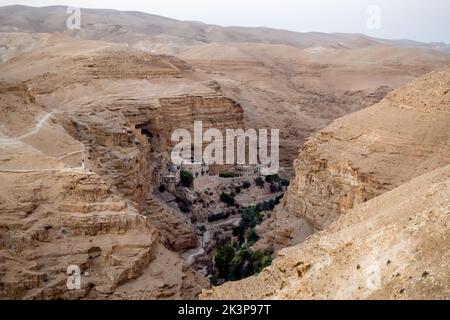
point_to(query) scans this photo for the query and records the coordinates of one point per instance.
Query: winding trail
(36, 129)
(39, 125)
(70, 154)
(191, 255)
(80, 170)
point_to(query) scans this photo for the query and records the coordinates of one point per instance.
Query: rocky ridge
(364, 155)
(375, 187)
(391, 247)
(103, 217)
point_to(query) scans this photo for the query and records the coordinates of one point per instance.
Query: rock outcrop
(364, 155)
(392, 247)
(80, 157)
(375, 185)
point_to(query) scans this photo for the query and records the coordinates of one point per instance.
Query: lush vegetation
(228, 198)
(259, 182)
(236, 260)
(273, 178)
(251, 217)
(186, 179)
(276, 183)
(213, 217)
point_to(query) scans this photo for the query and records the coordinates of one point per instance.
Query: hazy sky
(424, 20)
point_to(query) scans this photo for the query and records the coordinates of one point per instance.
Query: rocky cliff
(364, 155)
(392, 247)
(377, 183)
(80, 154)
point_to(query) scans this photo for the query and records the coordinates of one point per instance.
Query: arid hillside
(300, 91)
(392, 247)
(84, 133)
(86, 179)
(296, 82)
(364, 155)
(377, 183)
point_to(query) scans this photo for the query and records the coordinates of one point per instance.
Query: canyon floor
(86, 120)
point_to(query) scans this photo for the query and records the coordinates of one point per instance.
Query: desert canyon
(86, 118)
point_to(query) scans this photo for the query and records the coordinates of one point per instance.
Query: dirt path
(36, 129)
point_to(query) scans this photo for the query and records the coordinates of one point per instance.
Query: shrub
(187, 179)
(227, 175)
(278, 199)
(273, 178)
(238, 190)
(284, 183)
(162, 188)
(259, 207)
(218, 216)
(228, 198)
(222, 260)
(259, 182)
(274, 188)
(246, 185)
(261, 260)
(252, 236)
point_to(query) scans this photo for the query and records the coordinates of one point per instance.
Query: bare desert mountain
(377, 182)
(297, 82)
(130, 27)
(364, 155)
(86, 178)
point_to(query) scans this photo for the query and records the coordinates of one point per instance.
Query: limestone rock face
(366, 154)
(52, 220)
(375, 185)
(79, 159)
(392, 247)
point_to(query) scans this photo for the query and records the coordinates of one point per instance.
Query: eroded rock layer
(392, 247)
(80, 155)
(364, 155)
(377, 183)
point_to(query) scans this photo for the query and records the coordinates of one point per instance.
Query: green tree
(273, 178)
(222, 259)
(252, 236)
(234, 268)
(259, 182)
(186, 179)
(228, 198)
(261, 260)
(285, 183)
